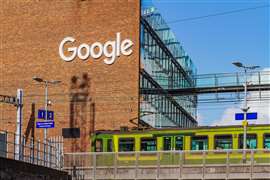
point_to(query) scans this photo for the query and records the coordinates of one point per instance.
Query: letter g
(70, 49)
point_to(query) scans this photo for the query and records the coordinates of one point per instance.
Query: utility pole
(245, 107)
(46, 83)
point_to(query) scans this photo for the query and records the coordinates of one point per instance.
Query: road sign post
(18, 134)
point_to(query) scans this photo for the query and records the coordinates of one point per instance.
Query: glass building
(164, 65)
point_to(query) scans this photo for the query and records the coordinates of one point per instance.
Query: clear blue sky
(214, 42)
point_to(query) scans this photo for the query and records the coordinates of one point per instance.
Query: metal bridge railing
(47, 153)
(232, 79)
(111, 165)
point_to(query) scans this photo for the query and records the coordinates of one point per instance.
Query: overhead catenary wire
(216, 14)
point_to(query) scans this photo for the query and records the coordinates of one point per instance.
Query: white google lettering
(110, 49)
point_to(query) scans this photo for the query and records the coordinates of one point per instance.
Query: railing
(232, 79)
(47, 153)
(110, 165)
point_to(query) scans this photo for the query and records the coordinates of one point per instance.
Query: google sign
(110, 49)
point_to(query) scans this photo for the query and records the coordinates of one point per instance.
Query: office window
(109, 145)
(223, 142)
(99, 145)
(167, 145)
(179, 143)
(199, 143)
(148, 144)
(126, 144)
(251, 141)
(266, 141)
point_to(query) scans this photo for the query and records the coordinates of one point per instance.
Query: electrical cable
(216, 14)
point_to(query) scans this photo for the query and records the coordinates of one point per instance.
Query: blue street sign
(239, 116)
(252, 116)
(41, 114)
(45, 124)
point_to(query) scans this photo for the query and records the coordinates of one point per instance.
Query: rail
(48, 153)
(136, 165)
(232, 79)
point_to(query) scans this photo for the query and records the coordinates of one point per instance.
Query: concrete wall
(92, 95)
(187, 172)
(17, 170)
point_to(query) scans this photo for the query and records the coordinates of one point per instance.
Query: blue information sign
(252, 116)
(45, 124)
(239, 116)
(41, 114)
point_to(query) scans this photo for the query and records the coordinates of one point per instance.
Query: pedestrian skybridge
(218, 83)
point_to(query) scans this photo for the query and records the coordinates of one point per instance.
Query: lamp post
(46, 83)
(245, 108)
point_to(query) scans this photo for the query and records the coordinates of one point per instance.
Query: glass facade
(165, 65)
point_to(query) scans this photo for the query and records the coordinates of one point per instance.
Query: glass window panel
(179, 143)
(199, 143)
(98, 145)
(251, 141)
(126, 144)
(167, 145)
(148, 144)
(109, 145)
(266, 141)
(223, 142)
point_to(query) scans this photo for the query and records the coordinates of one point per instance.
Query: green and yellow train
(199, 138)
(186, 140)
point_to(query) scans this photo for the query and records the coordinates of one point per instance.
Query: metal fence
(47, 153)
(165, 164)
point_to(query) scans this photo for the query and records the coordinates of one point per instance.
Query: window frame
(248, 134)
(171, 147)
(130, 138)
(148, 138)
(264, 135)
(109, 145)
(182, 137)
(199, 136)
(101, 145)
(215, 141)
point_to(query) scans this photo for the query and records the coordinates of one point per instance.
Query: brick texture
(92, 95)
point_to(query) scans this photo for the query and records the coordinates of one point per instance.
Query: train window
(266, 141)
(251, 141)
(148, 144)
(126, 144)
(199, 143)
(179, 143)
(109, 145)
(98, 145)
(223, 142)
(167, 145)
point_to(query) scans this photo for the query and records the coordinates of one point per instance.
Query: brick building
(92, 94)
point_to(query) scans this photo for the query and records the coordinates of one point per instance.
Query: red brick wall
(31, 32)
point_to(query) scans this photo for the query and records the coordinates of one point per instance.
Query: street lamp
(46, 83)
(245, 108)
